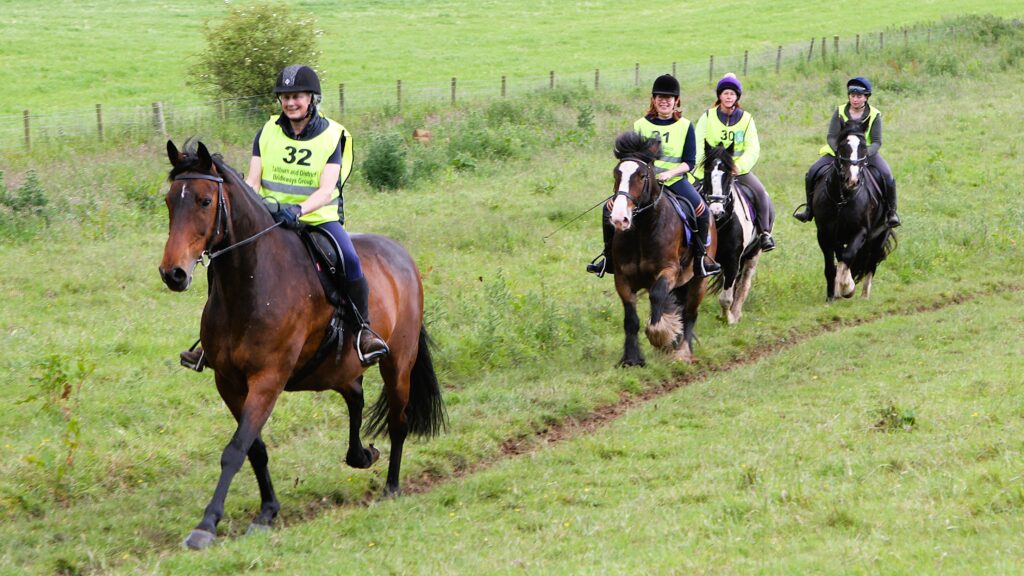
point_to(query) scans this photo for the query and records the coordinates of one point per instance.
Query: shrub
(384, 167)
(245, 51)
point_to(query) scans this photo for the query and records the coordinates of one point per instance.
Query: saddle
(686, 213)
(329, 262)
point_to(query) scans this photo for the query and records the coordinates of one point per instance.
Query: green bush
(384, 167)
(246, 50)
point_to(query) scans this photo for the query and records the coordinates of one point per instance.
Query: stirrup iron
(371, 358)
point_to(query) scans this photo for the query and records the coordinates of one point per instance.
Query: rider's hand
(288, 215)
(662, 176)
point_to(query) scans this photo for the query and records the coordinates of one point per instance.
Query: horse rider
(726, 123)
(301, 159)
(678, 154)
(857, 109)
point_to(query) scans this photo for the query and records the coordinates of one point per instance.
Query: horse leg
(664, 325)
(743, 283)
(631, 355)
(727, 298)
(866, 287)
(694, 296)
(396, 387)
(256, 407)
(830, 265)
(269, 506)
(357, 455)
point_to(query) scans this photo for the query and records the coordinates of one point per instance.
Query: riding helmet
(665, 85)
(729, 82)
(859, 85)
(297, 78)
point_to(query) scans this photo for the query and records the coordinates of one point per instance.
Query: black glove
(288, 215)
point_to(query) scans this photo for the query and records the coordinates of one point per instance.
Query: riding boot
(194, 358)
(602, 264)
(703, 265)
(806, 215)
(891, 217)
(767, 242)
(369, 345)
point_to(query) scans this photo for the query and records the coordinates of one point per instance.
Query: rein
(206, 257)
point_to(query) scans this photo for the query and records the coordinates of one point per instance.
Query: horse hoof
(199, 539)
(392, 492)
(255, 528)
(373, 454)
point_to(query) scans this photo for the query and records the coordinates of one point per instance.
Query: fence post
(28, 133)
(503, 87)
(810, 51)
(857, 47)
(905, 44)
(711, 68)
(597, 79)
(99, 121)
(778, 59)
(835, 45)
(158, 119)
(551, 80)
(341, 99)
(822, 48)
(881, 40)
(453, 90)
(398, 94)
(223, 111)
(746, 53)
(636, 75)
(929, 35)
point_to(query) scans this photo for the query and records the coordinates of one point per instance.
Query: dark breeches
(353, 269)
(763, 204)
(879, 163)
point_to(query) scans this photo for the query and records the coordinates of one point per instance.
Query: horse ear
(205, 162)
(707, 149)
(732, 146)
(172, 153)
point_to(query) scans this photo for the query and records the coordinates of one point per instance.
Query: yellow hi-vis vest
(673, 140)
(741, 135)
(292, 168)
(844, 119)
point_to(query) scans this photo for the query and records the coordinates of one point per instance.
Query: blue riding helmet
(859, 85)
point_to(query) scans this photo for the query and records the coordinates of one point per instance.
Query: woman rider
(726, 123)
(856, 109)
(302, 159)
(678, 153)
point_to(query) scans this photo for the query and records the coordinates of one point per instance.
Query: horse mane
(632, 145)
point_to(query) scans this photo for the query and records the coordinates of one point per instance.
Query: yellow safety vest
(715, 133)
(292, 168)
(844, 119)
(673, 140)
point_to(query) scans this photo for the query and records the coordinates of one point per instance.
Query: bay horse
(266, 316)
(739, 247)
(650, 253)
(850, 215)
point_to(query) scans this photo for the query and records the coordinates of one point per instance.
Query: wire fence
(119, 124)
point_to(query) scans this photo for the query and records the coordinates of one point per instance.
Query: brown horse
(650, 253)
(266, 317)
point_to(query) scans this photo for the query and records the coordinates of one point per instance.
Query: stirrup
(598, 268)
(373, 357)
(194, 358)
(805, 216)
(704, 272)
(893, 219)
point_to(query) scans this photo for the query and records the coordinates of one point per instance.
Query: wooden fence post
(810, 51)
(158, 119)
(636, 74)
(835, 45)
(597, 79)
(99, 121)
(822, 48)
(881, 40)
(28, 132)
(711, 68)
(674, 70)
(778, 59)
(341, 98)
(857, 46)
(453, 90)
(746, 53)
(503, 92)
(398, 94)
(551, 80)
(905, 41)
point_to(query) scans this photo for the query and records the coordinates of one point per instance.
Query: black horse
(650, 253)
(850, 214)
(739, 247)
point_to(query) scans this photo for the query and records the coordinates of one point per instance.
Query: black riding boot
(891, 217)
(369, 346)
(806, 215)
(603, 263)
(703, 265)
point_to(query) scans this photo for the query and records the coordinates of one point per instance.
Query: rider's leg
(809, 180)
(703, 265)
(763, 205)
(371, 346)
(888, 189)
(603, 264)
(195, 357)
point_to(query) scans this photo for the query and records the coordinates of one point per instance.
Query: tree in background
(247, 49)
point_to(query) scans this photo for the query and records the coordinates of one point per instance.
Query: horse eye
(206, 202)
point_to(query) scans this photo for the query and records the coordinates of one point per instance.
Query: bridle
(726, 199)
(220, 221)
(837, 172)
(637, 207)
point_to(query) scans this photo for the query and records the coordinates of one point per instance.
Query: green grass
(527, 341)
(61, 55)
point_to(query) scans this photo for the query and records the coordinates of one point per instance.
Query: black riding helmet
(665, 85)
(297, 78)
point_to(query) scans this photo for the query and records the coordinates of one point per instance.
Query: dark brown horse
(266, 317)
(650, 253)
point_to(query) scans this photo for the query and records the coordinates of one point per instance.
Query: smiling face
(664, 105)
(295, 105)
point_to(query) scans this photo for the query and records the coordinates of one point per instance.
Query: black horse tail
(425, 412)
(870, 257)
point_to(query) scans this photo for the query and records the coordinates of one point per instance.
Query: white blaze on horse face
(620, 208)
(717, 176)
(854, 144)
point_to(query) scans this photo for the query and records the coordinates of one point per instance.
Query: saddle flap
(329, 261)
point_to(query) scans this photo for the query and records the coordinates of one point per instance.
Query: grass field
(527, 344)
(142, 55)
